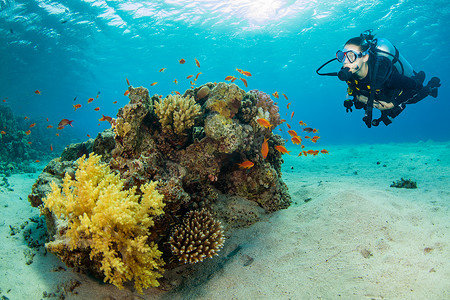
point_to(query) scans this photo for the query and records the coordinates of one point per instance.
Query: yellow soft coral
(114, 223)
(176, 113)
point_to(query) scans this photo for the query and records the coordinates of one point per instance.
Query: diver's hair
(361, 41)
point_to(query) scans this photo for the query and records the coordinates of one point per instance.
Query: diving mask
(351, 55)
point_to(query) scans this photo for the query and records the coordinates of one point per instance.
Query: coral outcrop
(199, 237)
(192, 145)
(109, 223)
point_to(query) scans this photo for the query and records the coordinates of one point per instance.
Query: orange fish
(97, 108)
(276, 95)
(286, 97)
(37, 160)
(51, 147)
(292, 133)
(197, 63)
(49, 126)
(46, 119)
(37, 92)
(265, 148)
(154, 83)
(315, 130)
(64, 122)
(316, 137)
(307, 137)
(57, 134)
(233, 79)
(246, 164)
(29, 143)
(245, 73)
(28, 132)
(302, 123)
(229, 78)
(126, 92)
(128, 82)
(76, 106)
(2, 132)
(88, 135)
(324, 151)
(296, 140)
(316, 152)
(310, 151)
(25, 118)
(282, 149)
(162, 69)
(32, 125)
(90, 100)
(264, 123)
(176, 81)
(4, 100)
(308, 129)
(303, 146)
(289, 126)
(177, 92)
(244, 81)
(292, 115)
(196, 77)
(105, 118)
(114, 102)
(239, 70)
(190, 76)
(287, 106)
(305, 153)
(182, 61)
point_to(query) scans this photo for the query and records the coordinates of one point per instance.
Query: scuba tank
(386, 49)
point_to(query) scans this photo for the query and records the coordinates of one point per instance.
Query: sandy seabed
(347, 235)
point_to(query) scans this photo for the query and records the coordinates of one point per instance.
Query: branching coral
(199, 237)
(110, 221)
(176, 114)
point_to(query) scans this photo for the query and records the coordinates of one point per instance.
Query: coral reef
(192, 145)
(108, 222)
(199, 237)
(176, 113)
(404, 183)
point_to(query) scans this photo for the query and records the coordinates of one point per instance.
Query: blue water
(74, 48)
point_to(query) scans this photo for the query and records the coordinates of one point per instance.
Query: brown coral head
(198, 237)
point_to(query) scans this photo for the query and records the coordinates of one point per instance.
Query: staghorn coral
(199, 237)
(111, 223)
(176, 113)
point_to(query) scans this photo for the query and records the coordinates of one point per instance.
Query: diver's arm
(381, 105)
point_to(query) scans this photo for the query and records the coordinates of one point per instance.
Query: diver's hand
(348, 105)
(432, 86)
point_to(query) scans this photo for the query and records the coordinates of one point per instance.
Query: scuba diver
(378, 76)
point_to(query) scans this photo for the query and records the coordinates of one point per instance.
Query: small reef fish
(37, 92)
(292, 115)
(115, 102)
(175, 81)
(311, 151)
(177, 92)
(88, 135)
(308, 129)
(57, 134)
(162, 69)
(302, 123)
(105, 118)
(197, 63)
(28, 132)
(128, 82)
(98, 94)
(90, 100)
(244, 81)
(229, 78)
(233, 79)
(46, 119)
(286, 97)
(246, 73)
(276, 95)
(51, 147)
(264, 123)
(32, 125)
(292, 133)
(239, 70)
(2, 132)
(97, 108)
(324, 151)
(296, 140)
(288, 126)
(154, 83)
(25, 118)
(37, 160)
(49, 126)
(246, 164)
(29, 143)
(126, 92)
(182, 61)
(315, 130)
(74, 99)
(196, 77)
(265, 148)
(77, 106)
(64, 122)
(287, 106)
(190, 76)
(282, 149)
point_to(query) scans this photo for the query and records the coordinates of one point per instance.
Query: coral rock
(199, 237)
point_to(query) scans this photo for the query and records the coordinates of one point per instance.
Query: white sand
(356, 238)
